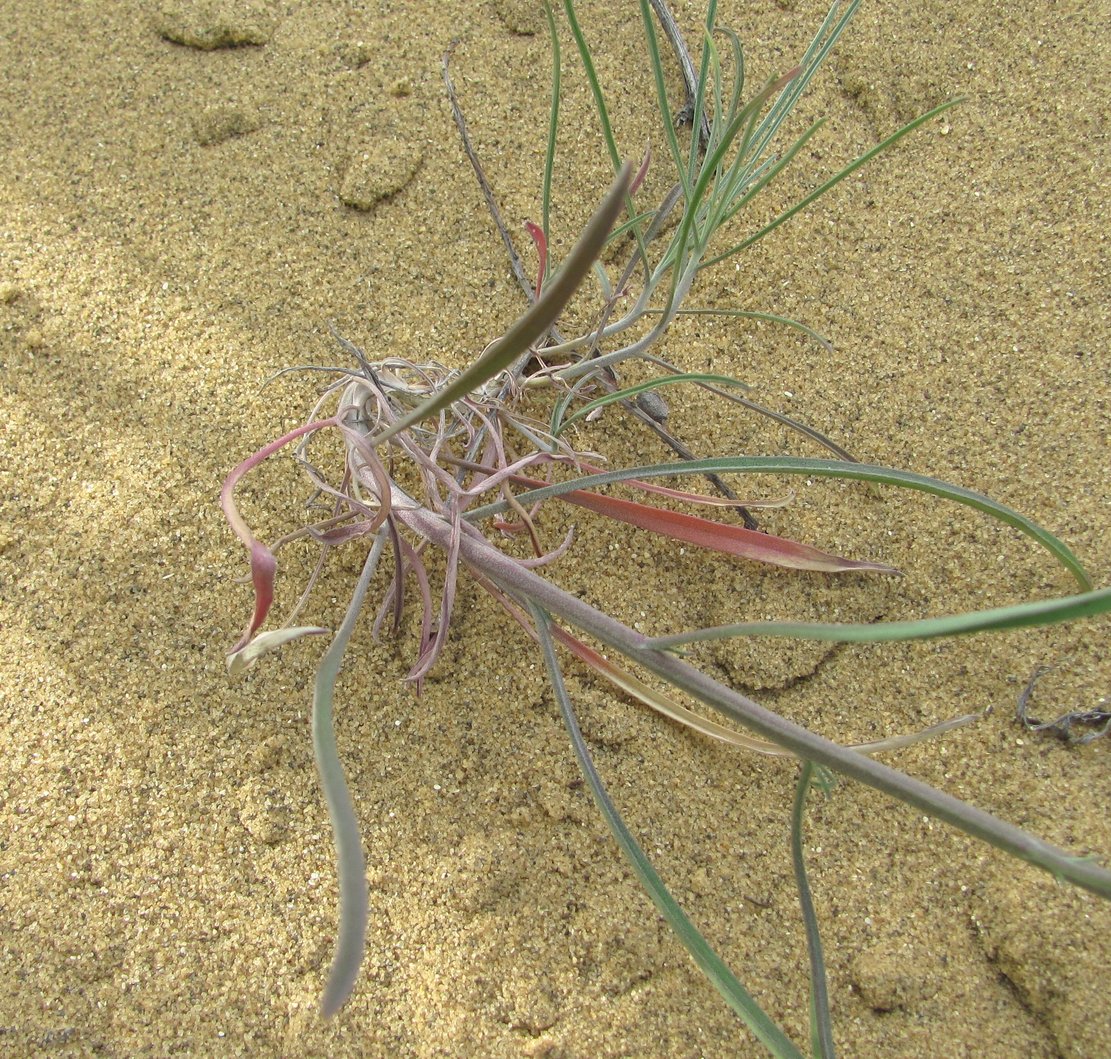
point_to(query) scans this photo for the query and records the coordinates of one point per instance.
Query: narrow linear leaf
(696, 498)
(822, 1026)
(711, 965)
(529, 327)
(651, 384)
(851, 168)
(863, 472)
(350, 862)
(263, 564)
(1017, 616)
(718, 536)
(553, 122)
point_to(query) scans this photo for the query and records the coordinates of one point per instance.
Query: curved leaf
(819, 469)
(1020, 615)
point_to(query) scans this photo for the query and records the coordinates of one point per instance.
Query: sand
(191, 194)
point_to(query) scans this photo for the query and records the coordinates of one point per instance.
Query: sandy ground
(178, 223)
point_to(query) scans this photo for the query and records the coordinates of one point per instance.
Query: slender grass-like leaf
(587, 59)
(524, 584)
(656, 65)
(711, 965)
(720, 536)
(698, 114)
(350, 862)
(1017, 616)
(239, 661)
(586, 56)
(737, 92)
(833, 181)
(553, 124)
(263, 564)
(629, 392)
(532, 324)
(833, 25)
(863, 472)
(822, 1027)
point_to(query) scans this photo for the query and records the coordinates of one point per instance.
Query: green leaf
(535, 322)
(651, 384)
(863, 472)
(1018, 616)
(851, 168)
(821, 1025)
(711, 965)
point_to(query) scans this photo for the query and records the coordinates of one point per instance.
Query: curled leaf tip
(263, 568)
(242, 658)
